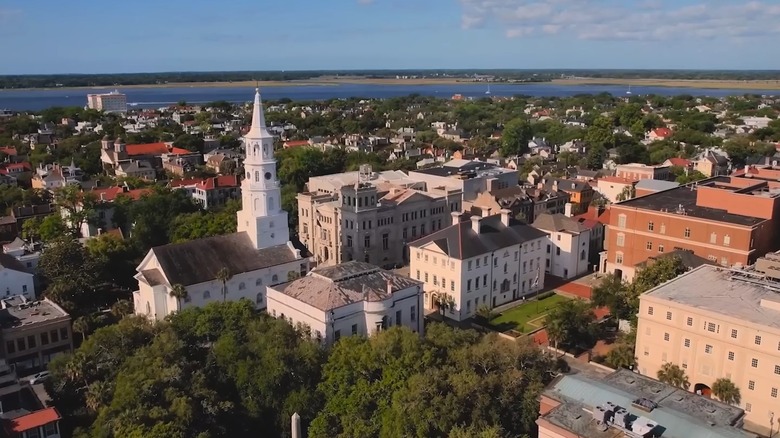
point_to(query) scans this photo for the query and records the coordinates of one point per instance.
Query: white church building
(259, 255)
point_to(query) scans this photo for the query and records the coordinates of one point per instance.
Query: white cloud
(626, 20)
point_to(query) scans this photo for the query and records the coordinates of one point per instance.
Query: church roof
(198, 261)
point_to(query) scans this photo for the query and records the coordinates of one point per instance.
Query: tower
(261, 215)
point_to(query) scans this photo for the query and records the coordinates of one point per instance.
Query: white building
(482, 261)
(14, 278)
(352, 298)
(113, 102)
(259, 255)
(568, 250)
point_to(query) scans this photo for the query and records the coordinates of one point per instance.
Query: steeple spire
(258, 118)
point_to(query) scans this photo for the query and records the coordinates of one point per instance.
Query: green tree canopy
(515, 137)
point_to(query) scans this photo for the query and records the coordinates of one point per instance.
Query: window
(731, 355)
(241, 286)
(55, 337)
(751, 385)
(426, 277)
(711, 327)
(689, 321)
(548, 249)
(557, 251)
(713, 238)
(777, 369)
(622, 221)
(687, 233)
(650, 226)
(468, 306)
(669, 316)
(398, 318)
(708, 349)
(337, 335)
(20, 345)
(468, 285)
(275, 278)
(621, 239)
(367, 242)
(754, 363)
(650, 310)
(663, 228)
(413, 313)
(24, 286)
(748, 407)
(774, 392)
(582, 255)
(63, 333)
(470, 265)
(726, 240)
(452, 285)
(758, 340)
(435, 280)
(385, 241)
(44, 338)
(349, 243)
(206, 295)
(687, 343)
(619, 258)
(660, 248)
(10, 347)
(734, 333)
(685, 365)
(31, 342)
(666, 337)
(649, 246)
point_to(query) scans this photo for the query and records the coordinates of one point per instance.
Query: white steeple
(261, 215)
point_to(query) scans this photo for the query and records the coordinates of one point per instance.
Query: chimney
(505, 216)
(389, 287)
(102, 196)
(475, 223)
(555, 185)
(486, 211)
(567, 210)
(455, 217)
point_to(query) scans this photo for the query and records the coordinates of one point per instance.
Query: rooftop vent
(644, 404)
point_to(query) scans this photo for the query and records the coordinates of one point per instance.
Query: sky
(90, 36)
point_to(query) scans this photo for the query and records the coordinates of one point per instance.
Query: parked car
(39, 378)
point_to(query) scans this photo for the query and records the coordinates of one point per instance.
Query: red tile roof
(662, 132)
(594, 214)
(681, 162)
(32, 420)
(8, 150)
(109, 194)
(153, 149)
(295, 143)
(207, 183)
(6, 168)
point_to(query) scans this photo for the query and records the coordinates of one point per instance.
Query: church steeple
(261, 215)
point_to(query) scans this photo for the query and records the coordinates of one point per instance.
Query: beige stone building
(370, 217)
(716, 322)
(479, 261)
(33, 332)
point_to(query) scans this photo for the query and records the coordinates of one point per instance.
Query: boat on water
(488, 90)
(629, 90)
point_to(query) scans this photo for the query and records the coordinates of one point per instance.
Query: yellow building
(715, 323)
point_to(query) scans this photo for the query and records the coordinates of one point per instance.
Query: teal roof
(676, 423)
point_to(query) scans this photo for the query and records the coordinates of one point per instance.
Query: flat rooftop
(683, 199)
(725, 294)
(338, 180)
(17, 312)
(678, 413)
(454, 168)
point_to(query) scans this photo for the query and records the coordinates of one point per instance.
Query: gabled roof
(109, 194)
(198, 261)
(158, 148)
(558, 222)
(32, 420)
(459, 241)
(680, 162)
(9, 262)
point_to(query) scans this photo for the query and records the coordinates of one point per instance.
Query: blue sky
(89, 36)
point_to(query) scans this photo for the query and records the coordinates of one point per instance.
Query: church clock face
(268, 175)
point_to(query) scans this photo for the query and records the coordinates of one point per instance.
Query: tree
(726, 391)
(628, 192)
(571, 324)
(672, 374)
(690, 177)
(122, 308)
(613, 294)
(223, 276)
(190, 142)
(82, 325)
(622, 356)
(601, 133)
(76, 207)
(50, 228)
(595, 157)
(180, 293)
(515, 137)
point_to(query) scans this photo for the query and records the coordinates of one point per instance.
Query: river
(153, 97)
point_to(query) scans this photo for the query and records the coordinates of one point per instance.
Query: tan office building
(33, 332)
(717, 322)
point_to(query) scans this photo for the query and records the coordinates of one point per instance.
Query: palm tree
(672, 374)
(180, 293)
(292, 276)
(122, 308)
(81, 325)
(224, 276)
(726, 391)
(556, 331)
(98, 394)
(622, 356)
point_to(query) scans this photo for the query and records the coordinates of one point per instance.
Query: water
(34, 100)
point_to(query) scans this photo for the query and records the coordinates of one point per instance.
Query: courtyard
(528, 316)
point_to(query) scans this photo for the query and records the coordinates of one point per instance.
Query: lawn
(528, 316)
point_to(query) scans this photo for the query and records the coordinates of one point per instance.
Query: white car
(39, 378)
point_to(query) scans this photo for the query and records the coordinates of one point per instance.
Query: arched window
(257, 150)
(505, 267)
(206, 295)
(271, 203)
(241, 286)
(514, 278)
(257, 175)
(275, 278)
(582, 255)
(259, 282)
(248, 175)
(148, 308)
(259, 298)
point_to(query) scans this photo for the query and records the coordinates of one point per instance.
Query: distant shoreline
(334, 81)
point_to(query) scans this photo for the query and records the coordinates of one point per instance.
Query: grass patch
(527, 316)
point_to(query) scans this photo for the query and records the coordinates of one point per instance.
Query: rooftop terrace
(17, 312)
